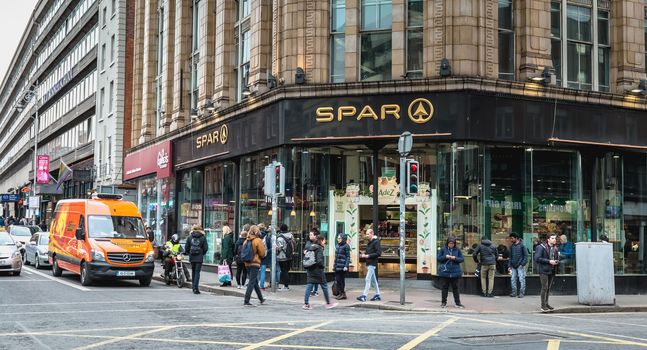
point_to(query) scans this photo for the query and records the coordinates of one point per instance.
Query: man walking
(285, 244)
(197, 246)
(253, 263)
(518, 261)
(485, 254)
(373, 251)
(547, 259)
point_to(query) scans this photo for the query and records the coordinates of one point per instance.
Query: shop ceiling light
(293, 213)
(312, 213)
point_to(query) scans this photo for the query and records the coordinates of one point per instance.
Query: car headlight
(97, 255)
(179, 257)
(150, 257)
(16, 255)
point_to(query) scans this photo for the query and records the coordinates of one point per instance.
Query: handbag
(335, 289)
(224, 274)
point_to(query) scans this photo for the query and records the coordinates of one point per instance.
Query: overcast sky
(14, 16)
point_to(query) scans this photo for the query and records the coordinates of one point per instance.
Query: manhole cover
(505, 338)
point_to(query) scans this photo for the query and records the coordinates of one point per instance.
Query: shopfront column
(224, 93)
(533, 37)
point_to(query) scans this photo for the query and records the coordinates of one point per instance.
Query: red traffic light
(277, 170)
(413, 167)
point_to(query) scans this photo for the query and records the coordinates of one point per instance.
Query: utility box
(595, 278)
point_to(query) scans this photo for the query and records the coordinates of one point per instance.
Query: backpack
(247, 252)
(196, 247)
(309, 258)
(264, 240)
(288, 248)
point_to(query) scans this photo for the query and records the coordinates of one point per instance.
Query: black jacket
(203, 246)
(518, 254)
(238, 249)
(373, 250)
(342, 256)
(315, 273)
(543, 254)
(487, 253)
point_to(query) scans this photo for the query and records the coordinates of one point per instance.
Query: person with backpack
(252, 253)
(486, 255)
(449, 270)
(518, 262)
(373, 251)
(285, 244)
(240, 266)
(197, 247)
(342, 261)
(313, 262)
(227, 249)
(266, 239)
(312, 238)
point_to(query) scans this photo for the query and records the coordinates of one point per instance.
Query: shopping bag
(224, 274)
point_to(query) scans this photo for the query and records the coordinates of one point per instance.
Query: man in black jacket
(373, 251)
(486, 256)
(518, 261)
(547, 259)
(196, 245)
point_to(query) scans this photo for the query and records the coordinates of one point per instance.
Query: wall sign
(155, 159)
(42, 169)
(419, 111)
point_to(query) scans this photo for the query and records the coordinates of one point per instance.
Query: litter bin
(595, 278)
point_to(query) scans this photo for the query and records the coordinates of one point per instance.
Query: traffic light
(412, 176)
(274, 180)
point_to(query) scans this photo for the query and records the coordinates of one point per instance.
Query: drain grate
(505, 338)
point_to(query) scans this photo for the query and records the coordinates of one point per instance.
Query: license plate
(125, 273)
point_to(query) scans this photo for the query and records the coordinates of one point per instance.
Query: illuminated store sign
(419, 111)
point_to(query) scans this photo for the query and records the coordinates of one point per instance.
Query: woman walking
(449, 269)
(342, 260)
(315, 274)
(240, 265)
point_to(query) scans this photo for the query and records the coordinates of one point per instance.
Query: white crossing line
(59, 280)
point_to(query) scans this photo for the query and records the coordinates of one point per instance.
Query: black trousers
(340, 278)
(253, 284)
(285, 270)
(196, 267)
(546, 284)
(240, 269)
(454, 283)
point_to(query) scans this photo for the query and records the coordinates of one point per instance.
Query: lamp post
(31, 93)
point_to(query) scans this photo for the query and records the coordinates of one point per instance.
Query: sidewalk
(422, 297)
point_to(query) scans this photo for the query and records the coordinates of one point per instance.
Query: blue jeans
(263, 269)
(310, 286)
(518, 273)
(370, 278)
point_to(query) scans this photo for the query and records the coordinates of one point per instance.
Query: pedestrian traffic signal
(274, 180)
(412, 176)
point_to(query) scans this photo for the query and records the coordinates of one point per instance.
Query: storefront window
(254, 207)
(610, 207)
(219, 205)
(147, 189)
(189, 201)
(634, 214)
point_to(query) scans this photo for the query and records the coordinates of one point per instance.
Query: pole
(402, 223)
(274, 252)
(35, 155)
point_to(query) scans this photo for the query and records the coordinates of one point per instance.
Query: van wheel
(145, 282)
(85, 275)
(56, 270)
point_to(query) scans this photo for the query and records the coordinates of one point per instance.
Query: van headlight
(97, 255)
(150, 257)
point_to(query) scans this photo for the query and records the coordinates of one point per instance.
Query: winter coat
(281, 241)
(228, 247)
(238, 247)
(203, 246)
(543, 254)
(315, 273)
(518, 255)
(373, 250)
(487, 253)
(267, 260)
(259, 251)
(447, 267)
(342, 256)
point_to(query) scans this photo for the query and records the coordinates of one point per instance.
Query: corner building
(526, 118)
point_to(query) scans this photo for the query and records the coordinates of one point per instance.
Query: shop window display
(219, 204)
(189, 201)
(635, 218)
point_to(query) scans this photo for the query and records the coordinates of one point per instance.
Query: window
(114, 6)
(101, 108)
(603, 51)
(160, 67)
(103, 56)
(111, 96)
(556, 38)
(243, 46)
(112, 49)
(100, 156)
(337, 40)
(195, 55)
(109, 158)
(415, 21)
(375, 59)
(105, 16)
(506, 40)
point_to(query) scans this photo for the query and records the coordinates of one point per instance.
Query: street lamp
(31, 93)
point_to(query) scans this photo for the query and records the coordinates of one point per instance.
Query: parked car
(36, 250)
(21, 234)
(10, 257)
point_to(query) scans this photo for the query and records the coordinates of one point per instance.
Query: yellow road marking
(285, 336)
(118, 339)
(553, 344)
(430, 333)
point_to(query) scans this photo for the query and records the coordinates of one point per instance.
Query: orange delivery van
(100, 238)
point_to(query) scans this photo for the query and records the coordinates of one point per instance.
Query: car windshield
(5, 239)
(44, 239)
(20, 231)
(105, 226)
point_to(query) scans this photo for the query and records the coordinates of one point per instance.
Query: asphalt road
(43, 312)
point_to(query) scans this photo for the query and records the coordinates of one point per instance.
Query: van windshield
(106, 226)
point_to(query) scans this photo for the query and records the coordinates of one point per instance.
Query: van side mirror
(151, 237)
(79, 234)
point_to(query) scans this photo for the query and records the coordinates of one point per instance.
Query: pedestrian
(547, 259)
(312, 239)
(449, 269)
(566, 253)
(258, 251)
(503, 259)
(286, 245)
(197, 247)
(240, 266)
(315, 274)
(266, 239)
(485, 255)
(43, 225)
(373, 251)
(2, 222)
(342, 261)
(227, 250)
(518, 262)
